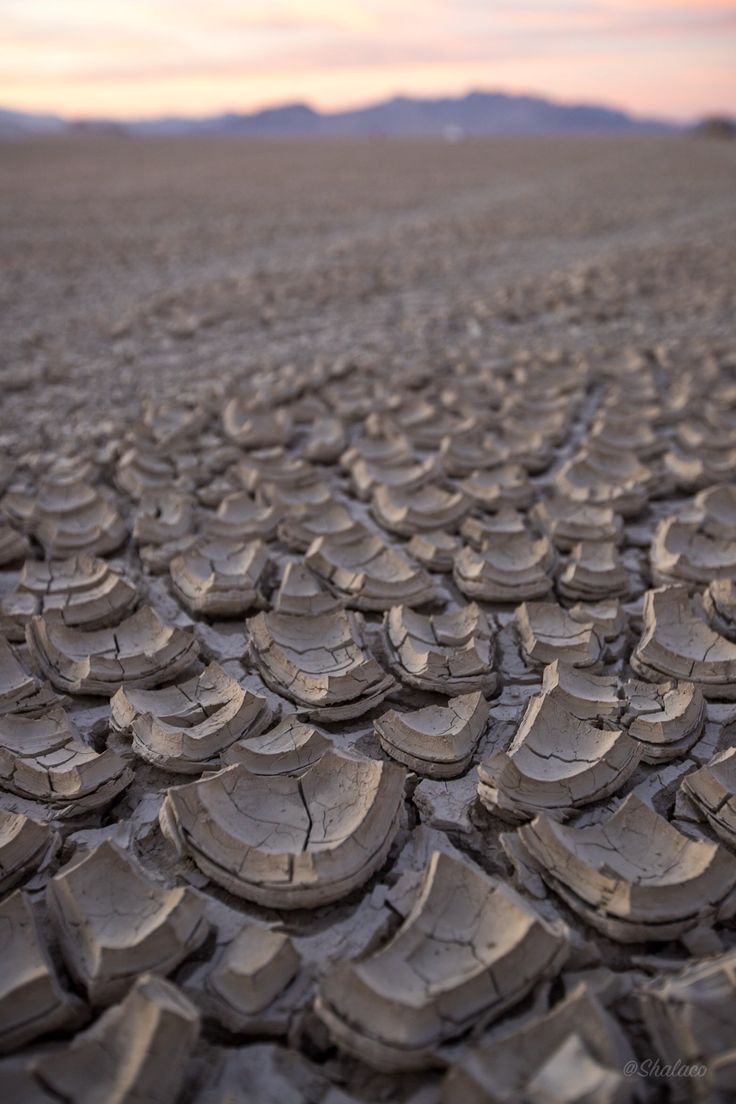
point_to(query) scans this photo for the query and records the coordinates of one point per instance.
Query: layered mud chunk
(494, 488)
(114, 923)
(33, 1001)
(319, 663)
(289, 842)
(45, 758)
(437, 741)
(666, 718)
(404, 473)
(20, 692)
(163, 516)
(581, 693)
(677, 642)
(434, 549)
(568, 523)
(140, 651)
(424, 510)
(469, 948)
(255, 429)
(450, 652)
(690, 1017)
(594, 477)
(136, 1050)
(221, 576)
(241, 516)
(594, 573)
(369, 574)
(514, 567)
(301, 592)
(68, 517)
(719, 601)
(548, 633)
(87, 592)
(685, 550)
(186, 727)
(14, 545)
(712, 791)
(248, 987)
(290, 747)
(556, 762)
(25, 845)
(634, 876)
(145, 469)
(578, 1044)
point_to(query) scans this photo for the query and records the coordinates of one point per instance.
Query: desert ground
(368, 621)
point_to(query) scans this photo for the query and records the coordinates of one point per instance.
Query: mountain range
(476, 114)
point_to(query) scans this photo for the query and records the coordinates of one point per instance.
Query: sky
(142, 58)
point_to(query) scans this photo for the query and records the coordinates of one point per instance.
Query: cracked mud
(367, 622)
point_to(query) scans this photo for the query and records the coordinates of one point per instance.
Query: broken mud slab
(452, 652)
(86, 591)
(394, 1007)
(319, 663)
(288, 748)
(140, 1046)
(113, 923)
(437, 741)
(629, 891)
(513, 568)
(677, 642)
(140, 651)
(46, 759)
(368, 574)
(578, 1044)
(547, 633)
(289, 842)
(556, 762)
(186, 727)
(220, 577)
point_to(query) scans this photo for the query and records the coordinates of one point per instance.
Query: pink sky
(138, 58)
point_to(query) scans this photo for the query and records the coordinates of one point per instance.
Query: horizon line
(366, 104)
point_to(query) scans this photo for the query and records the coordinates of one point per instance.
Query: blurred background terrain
(129, 259)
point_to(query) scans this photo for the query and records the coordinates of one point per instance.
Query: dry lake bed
(368, 621)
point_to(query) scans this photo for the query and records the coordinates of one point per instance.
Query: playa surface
(367, 619)
(155, 260)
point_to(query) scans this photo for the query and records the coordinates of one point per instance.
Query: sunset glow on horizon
(121, 59)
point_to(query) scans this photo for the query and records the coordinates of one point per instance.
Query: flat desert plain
(368, 621)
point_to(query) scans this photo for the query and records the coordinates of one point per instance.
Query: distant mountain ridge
(476, 114)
